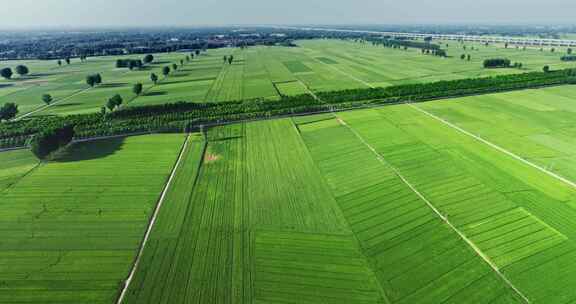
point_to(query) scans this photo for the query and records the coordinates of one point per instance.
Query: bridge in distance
(458, 37)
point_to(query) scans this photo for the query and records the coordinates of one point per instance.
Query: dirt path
(42, 108)
(152, 222)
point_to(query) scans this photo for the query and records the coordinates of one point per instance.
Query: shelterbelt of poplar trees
(184, 116)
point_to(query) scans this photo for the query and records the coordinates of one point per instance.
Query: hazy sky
(89, 13)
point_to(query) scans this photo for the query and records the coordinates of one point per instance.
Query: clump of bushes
(497, 63)
(129, 63)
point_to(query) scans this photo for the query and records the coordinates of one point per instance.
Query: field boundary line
(13, 149)
(438, 213)
(344, 73)
(369, 263)
(152, 221)
(503, 150)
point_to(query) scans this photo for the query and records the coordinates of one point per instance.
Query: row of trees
(134, 63)
(401, 43)
(21, 70)
(180, 116)
(116, 101)
(129, 63)
(59, 62)
(435, 52)
(568, 58)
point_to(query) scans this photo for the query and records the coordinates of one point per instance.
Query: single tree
(197, 52)
(6, 73)
(59, 62)
(148, 59)
(225, 59)
(463, 56)
(137, 89)
(117, 100)
(93, 80)
(110, 104)
(468, 57)
(230, 59)
(8, 111)
(114, 102)
(132, 65)
(569, 51)
(546, 69)
(175, 67)
(47, 99)
(90, 80)
(166, 71)
(22, 70)
(67, 60)
(154, 78)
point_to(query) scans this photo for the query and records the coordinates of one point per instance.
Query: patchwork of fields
(257, 72)
(386, 205)
(468, 200)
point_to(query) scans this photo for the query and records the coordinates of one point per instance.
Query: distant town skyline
(132, 13)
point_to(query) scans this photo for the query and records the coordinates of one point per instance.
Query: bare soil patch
(210, 158)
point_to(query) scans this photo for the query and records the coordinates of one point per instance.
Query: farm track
(492, 145)
(152, 221)
(472, 245)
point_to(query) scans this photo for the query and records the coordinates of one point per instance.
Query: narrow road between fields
(438, 213)
(507, 152)
(152, 221)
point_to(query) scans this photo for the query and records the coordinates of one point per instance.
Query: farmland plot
(248, 236)
(382, 66)
(416, 257)
(536, 124)
(257, 72)
(519, 217)
(14, 165)
(71, 228)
